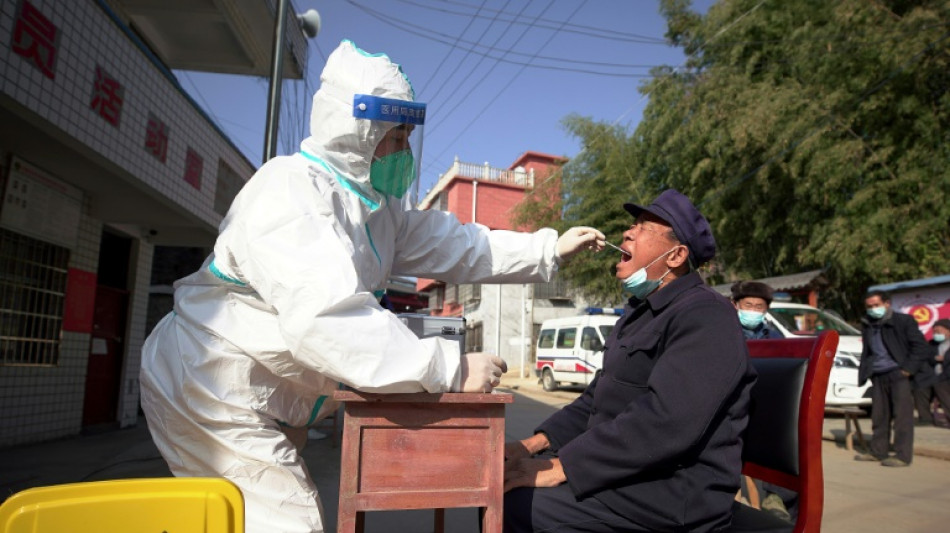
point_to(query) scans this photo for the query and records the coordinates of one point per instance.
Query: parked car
(799, 320)
(571, 349)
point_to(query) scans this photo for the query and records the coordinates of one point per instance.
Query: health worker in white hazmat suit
(284, 309)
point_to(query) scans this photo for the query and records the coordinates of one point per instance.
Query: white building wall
(536, 311)
(89, 38)
(514, 312)
(46, 402)
(138, 311)
(42, 403)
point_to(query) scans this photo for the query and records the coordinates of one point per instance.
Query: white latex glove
(481, 372)
(579, 238)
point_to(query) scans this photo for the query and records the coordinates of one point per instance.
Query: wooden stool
(851, 414)
(422, 451)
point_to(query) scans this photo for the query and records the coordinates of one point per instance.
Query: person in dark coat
(752, 300)
(654, 442)
(936, 384)
(894, 354)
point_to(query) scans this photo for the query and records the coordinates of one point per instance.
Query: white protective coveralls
(284, 310)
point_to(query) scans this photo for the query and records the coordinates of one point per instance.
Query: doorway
(107, 342)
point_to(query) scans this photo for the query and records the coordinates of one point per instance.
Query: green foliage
(812, 134)
(541, 207)
(595, 184)
(588, 191)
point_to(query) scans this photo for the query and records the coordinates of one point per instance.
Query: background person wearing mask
(752, 300)
(937, 384)
(894, 352)
(654, 443)
(284, 309)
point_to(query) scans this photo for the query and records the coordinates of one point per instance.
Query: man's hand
(481, 372)
(516, 450)
(579, 238)
(533, 472)
(527, 447)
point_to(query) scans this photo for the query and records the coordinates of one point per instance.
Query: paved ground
(859, 497)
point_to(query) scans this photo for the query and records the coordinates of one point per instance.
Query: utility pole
(310, 22)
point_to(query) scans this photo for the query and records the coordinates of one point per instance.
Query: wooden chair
(179, 505)
(782, 443)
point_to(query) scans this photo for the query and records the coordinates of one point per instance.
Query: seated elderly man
(654, 443)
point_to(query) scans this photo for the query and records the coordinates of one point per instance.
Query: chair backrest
(179, 505)
(782, 443)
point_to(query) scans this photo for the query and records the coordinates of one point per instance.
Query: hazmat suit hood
(336, 136)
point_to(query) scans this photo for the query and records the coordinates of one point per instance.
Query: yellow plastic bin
(179, 505)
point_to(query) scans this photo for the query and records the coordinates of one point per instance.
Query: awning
(791, 282)
(912, 284)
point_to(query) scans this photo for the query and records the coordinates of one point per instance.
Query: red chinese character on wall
(193, 166)
(156, 138)
(107, 96)
(35, 38)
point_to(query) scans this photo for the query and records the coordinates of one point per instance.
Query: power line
(298, 114)
(736, 21)
(604, 33)
(454, 45)
(459, 64)
(197, 93)
(471, 71)
(592, 31)
(483, 78)
(560, 169)
(475, 47)
(290, 117)
(506, 86)
(208, 109)
(457, 105)
(320, 51)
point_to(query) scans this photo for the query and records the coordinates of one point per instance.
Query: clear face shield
(397, 160)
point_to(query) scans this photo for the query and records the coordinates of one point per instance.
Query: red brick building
(499, 318)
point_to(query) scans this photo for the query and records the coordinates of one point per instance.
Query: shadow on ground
(130, 453)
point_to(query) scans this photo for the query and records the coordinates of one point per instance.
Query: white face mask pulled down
(637, 284)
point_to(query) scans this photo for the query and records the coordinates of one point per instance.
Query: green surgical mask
(392, 174)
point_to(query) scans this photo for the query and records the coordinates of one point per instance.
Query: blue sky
(498, 75)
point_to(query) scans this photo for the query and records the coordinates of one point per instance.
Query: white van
(799, 320)
(571, 349)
